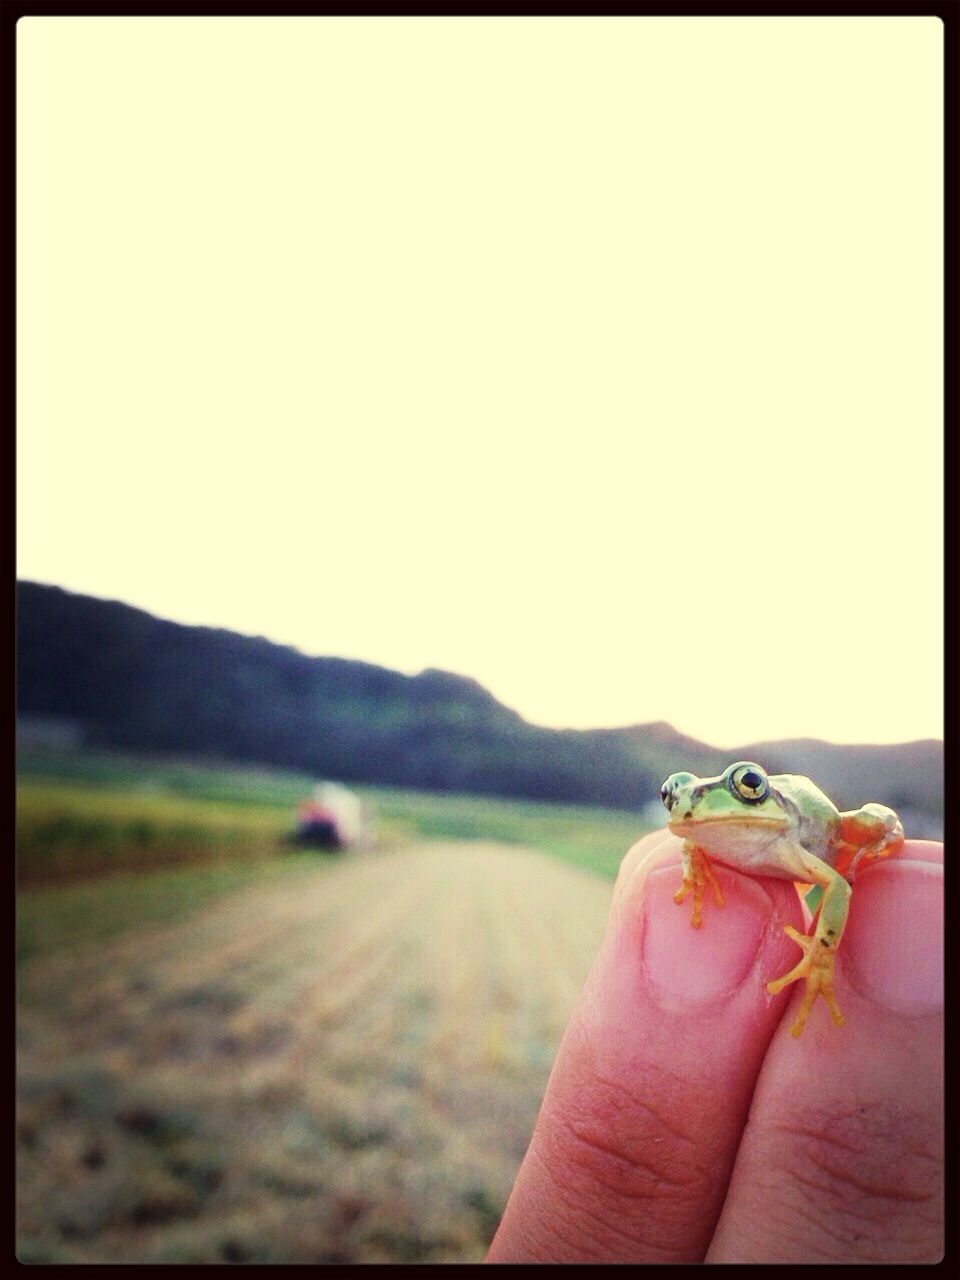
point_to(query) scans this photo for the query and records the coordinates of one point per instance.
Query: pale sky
(597, 359)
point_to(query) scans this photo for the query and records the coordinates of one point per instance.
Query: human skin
(681, 1121)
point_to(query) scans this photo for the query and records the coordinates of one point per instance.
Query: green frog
(781, 826)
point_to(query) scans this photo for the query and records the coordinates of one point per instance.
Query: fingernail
(892, 946)
(692, 966)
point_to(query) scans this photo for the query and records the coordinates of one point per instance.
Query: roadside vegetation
(108, 842)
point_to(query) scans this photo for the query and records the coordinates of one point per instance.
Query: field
(228, 1051)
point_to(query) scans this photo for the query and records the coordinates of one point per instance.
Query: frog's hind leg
(870, 833)
(865, 835)
(819, 948)
(697, 872)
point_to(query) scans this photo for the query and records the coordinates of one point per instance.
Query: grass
(69, 828)
(101, 811)
(108, 842)
(71, 916)
(590, 838)
(196, 779)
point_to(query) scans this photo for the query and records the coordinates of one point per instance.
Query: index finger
(644, 1109)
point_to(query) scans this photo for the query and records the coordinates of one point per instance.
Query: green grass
(70, 916)
(197, 779)
(68, 828)
(104, 810)
(594, 839)
(109, 842)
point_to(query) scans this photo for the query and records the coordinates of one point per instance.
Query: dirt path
(343, 1067)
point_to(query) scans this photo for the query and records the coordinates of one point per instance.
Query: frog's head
(740, 802)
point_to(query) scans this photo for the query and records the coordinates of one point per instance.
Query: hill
(126, 679)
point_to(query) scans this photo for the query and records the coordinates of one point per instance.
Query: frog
(782, 826)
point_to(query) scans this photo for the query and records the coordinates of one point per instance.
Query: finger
(643, 851)
(841, 1159)
(647, 1099)
(639, 852)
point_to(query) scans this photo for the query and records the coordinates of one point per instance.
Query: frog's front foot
(697, 873)
(817, 968)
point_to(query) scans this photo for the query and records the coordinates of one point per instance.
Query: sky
(597, 359)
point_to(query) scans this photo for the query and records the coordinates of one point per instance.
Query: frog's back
(817, 817)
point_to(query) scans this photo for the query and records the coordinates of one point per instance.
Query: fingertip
(893, 942)
(688, 968)
(921, 851)
(643, 849)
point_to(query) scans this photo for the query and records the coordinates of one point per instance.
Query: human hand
(681, 1121)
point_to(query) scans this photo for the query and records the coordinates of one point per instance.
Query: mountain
(126, 679)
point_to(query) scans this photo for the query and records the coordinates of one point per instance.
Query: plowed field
(344, 1065)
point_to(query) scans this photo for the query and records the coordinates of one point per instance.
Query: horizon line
(616, 728)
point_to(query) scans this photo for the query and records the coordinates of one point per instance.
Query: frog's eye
(666, 795)
(750, 783)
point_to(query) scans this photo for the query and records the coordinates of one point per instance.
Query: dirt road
(345, 1066)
